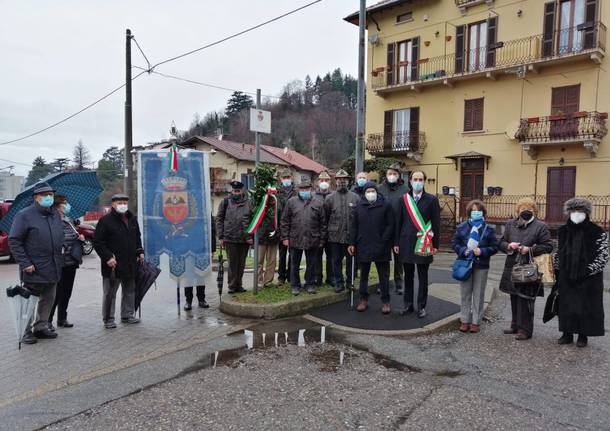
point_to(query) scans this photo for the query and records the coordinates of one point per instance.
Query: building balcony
(581, 128)
(517, 57)
(463, 5)
(408, 144)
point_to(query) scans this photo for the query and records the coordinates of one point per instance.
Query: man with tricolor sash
(417, 234)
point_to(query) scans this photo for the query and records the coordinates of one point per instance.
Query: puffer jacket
(304, 223)
(37, 238)
(338, 207)
(232, 220)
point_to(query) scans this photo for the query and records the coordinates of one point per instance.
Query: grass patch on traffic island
(274, 294)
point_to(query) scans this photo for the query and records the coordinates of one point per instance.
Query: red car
(4, 249)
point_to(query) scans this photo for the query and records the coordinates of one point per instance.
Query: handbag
(551, 308)
(545, 266)
(525, 272)
(462, 268)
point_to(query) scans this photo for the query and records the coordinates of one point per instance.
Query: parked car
(4, 249)
(87, 231)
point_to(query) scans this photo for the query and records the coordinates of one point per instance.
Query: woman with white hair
(579, 266)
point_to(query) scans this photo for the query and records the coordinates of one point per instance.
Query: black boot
(582, 341)
(188, 306)
(203, 304)
(566, 338)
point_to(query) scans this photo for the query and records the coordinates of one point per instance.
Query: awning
(469, 155)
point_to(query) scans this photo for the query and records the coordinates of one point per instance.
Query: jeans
(63, 293)
(338, 252)
(383, 270)
(128, 298)
(473, 296)
(295, 264)
(422, 291)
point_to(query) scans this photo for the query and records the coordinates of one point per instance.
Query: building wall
(10, 186)
(507, 100)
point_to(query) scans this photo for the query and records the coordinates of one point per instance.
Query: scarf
(475, 236)
(574, 253)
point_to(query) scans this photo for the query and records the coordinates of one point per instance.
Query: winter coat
(358, 190)
(72, 256)
(393, 192)
(405, 233)
(535, 235)
(118, 235)
(233, 219)
(322, 195)
(304, 223)
(36, 238)
(267, 234)
(488, 243)
(372, 230)
(284, 194)
(579, 268)
(338, 208)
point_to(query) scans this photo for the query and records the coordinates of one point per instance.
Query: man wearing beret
(36, 242)
(232, 220)
(118, 243)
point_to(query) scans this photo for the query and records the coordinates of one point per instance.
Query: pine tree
(238, 102)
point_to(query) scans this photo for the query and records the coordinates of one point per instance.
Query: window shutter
(468, 124)
(388, 125)
(565, 100)
(572, 99)
(414, 58)
(558, 101)
(477, 117)
(548, 31)
(459, 48)
(492, 37)
(390, 66)
(590, 24)
(414, 129)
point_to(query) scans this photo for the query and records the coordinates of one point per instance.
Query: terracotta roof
(237, 150)
(377, 7)
(295, 159)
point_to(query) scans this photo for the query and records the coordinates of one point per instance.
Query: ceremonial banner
(174, 212)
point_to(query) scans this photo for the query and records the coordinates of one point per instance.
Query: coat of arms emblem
(175, 199)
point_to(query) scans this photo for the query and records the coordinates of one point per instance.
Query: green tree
(40, 169)
(115, 155)
(237, 103)
(60, 164)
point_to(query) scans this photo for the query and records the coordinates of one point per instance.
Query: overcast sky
(58, 56)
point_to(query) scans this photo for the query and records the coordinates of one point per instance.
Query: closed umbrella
(221, 273)
(23, 302)
(145, 277)
(81, 189)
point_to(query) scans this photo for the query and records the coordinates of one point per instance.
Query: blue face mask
(305, 195)
(417, 186)
(286, 183)
(46, 201)
(67, 208)
(361, 182)
(476, 215)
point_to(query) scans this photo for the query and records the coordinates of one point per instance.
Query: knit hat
(370, 185)
(578, 204)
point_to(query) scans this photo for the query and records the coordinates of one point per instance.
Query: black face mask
(526, 215)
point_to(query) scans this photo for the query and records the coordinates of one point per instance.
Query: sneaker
(566, 338)
(45, 334)
(582, 341)
(475, 328)
(464, 327)
(64, 324)
(130, 320)
(363, 305)
(311, 290)
(422, 313)
(203, 304)
(28, 338)
(385, 309)
(109, 325)
(188, 306)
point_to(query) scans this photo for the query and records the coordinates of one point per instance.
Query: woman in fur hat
(579, 266)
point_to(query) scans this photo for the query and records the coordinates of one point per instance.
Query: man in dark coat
(579, 266)
(232, 220)
(393, 189)
(36, 240)
(118, 243)
(371, 236)
(303, 229)
(338, 208)
(285, 192)
(322, 192)
(406, 235)
(358, 187)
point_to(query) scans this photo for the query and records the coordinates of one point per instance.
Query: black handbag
(525, 272)
(551, 308)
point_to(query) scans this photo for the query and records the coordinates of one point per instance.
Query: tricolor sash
(423, 245)
(259, 215)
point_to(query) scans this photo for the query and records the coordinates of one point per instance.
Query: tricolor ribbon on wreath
(423, 245)
(173, 158)
(259, 215)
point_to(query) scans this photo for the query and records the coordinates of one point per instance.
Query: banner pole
(178, 296)
(257, 140)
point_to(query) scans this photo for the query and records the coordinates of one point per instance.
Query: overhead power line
(141, 52)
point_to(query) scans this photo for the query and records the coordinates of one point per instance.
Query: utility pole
(257, 161)
(129, 173)
(360, 106)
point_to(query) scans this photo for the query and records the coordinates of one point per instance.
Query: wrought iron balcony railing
(516, 56)
(587, 128)
(467, 3)
(409, 144)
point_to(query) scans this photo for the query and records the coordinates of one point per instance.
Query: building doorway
(471, 182)
(560, 186)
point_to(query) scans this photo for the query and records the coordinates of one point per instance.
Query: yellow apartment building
(493, 99)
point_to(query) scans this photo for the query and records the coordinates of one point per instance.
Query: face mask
(236, 197)
(121, 208)
(67, 208)
(392, 178)
(476, 215)
(526, 215)
(342, 184)
(286, 183)
(324, 185)
(371, 196)
(361, 182)
(417, 186)
(46, 201)
(305, 195)
(577, 217)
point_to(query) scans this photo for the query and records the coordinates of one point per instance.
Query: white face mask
(121, 208)
(577, 217)
(371, 196)
(392, 178)
(324, 185)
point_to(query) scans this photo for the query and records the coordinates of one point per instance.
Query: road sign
(260, 121)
